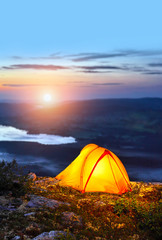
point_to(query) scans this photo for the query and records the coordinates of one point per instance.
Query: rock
(10, 204)
(71, 219)
(38, 202)
(32, 176)
(16, 238)
(29, 214)
(7, 208)
(5, 204)
(53, 235)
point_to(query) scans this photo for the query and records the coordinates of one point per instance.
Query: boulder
(29, 214)
(38, 202)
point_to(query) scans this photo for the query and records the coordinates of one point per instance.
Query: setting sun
(47, 98)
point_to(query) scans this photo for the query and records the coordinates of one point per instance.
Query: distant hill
(132, 128)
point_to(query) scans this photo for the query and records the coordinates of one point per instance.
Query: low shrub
(12, 178)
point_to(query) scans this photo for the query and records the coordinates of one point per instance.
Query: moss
(134, 215)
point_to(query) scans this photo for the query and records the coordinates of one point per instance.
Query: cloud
(93, 71)
(35, 67)
(122, 53)
(22, 85)
(111, 68)
(88, 56)
(101, 84)
(51, 56)
(93, 56)
(153, 72)
(107, 84)
(125, 67)
(11, 134)
(96, 67)
(104, 68)
(132, 52)
(101, 67)
(155, 64)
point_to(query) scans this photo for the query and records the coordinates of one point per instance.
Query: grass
(133, 215)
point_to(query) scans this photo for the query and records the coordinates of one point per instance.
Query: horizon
(71, 101)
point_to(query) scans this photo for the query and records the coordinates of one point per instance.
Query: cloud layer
(81, 57)
(35, 67)
(22, 85)
(108, 84)
(95, 62)
(8, 133)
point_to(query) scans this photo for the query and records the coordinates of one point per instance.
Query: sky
(75, 50)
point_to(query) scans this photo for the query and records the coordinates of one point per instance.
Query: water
(49, 160)
(47, 154)
(8, 133)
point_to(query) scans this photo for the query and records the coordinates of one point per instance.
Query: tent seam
(100, 158)
(82, 169)
(113, 172)
(119, 169)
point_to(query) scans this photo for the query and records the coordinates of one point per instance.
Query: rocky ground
(48, 211)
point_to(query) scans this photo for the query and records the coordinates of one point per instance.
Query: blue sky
(94, 49)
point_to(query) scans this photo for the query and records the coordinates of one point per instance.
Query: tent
(96, 169)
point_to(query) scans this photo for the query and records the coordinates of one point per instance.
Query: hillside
(48, 210)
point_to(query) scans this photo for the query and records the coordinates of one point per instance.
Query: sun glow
(47, 98)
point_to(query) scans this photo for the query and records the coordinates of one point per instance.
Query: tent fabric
(96, 169)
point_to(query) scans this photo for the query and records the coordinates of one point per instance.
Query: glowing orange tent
(96, 169)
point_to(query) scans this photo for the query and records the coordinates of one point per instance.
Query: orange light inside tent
(96, 169)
